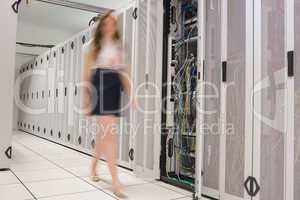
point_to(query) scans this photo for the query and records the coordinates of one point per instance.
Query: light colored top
(111, 56)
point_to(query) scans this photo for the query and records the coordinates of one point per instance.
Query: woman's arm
(127, 84)
(126, 80)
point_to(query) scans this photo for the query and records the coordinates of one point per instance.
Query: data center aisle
(43, 170)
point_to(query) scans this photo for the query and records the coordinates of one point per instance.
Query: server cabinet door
(153, 86)
(125, 120)
(44, 121)
(81, 122)
(26, 83)
(148, 86)
(37, 94)
(137, 154)
(71, 92)
(48, 131)
(212, 105)
(296, 184)
(121, 26)
(66, 75)
(61, 91)
(269, 99)
(236, 112)
(31, 92)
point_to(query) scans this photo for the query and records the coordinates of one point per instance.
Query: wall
(8, 22)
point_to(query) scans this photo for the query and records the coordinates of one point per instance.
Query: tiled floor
(44, 170)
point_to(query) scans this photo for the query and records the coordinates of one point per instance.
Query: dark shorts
(106, 94)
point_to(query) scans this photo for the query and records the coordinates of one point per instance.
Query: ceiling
(54, 16)
(112, 4)
(44, 23)
(59, 17)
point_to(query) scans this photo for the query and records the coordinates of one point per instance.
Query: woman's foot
(95, 178)
(118, 191)
(120, 194)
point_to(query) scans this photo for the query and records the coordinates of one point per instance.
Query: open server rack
(179, 122)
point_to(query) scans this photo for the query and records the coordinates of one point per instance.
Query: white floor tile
(191, 198)
(31, 166)
(58, 187)
(7, 177)
(35, 162)
(125, 178)
(95, 195)
(176, 189)
(84, 171)
(60, 156)
(68, 163)
(14, 192)
(150, 192)
(25, 159)
(101, 184)
(43, 175)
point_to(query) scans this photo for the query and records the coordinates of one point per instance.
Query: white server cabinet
(295, 100)
(212, 86)
(69, 137)
(61, 73)
(48, 132)
(66, 78)
(28, 83)
(38, 99)
(80, 126)
(88, 131)
(256, 156)
(228, 79)
(121, 25)
(125, 144)
(43, 123)
(147, 85)
(20, 104)
(271, 132)
(34, 94)
(26, 96)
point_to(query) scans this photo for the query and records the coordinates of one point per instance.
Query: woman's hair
(99, 34)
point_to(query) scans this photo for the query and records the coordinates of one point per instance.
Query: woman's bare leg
(98, 150)
(109, 142)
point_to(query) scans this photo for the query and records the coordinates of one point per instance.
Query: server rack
(181, 156)
(249, 56)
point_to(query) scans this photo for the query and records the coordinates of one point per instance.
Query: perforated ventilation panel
(235, 102)
(153, 81)
(140, 81)
(273, 101)
(126, 126)
(212, 76)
